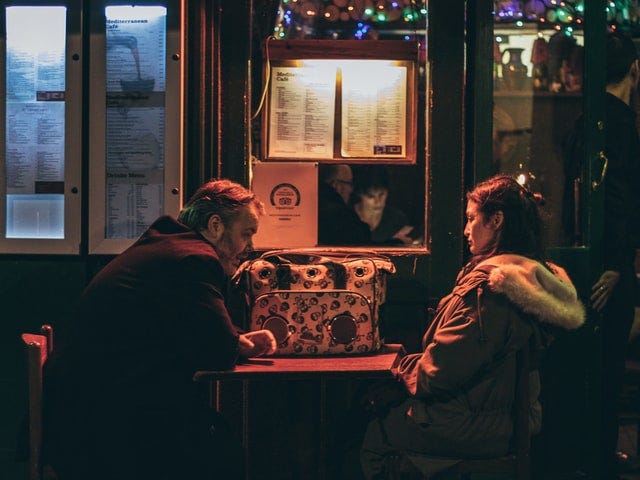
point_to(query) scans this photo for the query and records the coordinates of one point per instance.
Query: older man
(120, 402)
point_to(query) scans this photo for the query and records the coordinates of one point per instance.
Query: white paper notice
(289, 191)
(302, 112)
(374, 108)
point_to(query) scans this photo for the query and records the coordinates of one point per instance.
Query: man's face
(234, 241)
(343, 182)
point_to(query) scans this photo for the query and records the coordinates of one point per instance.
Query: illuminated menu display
(374, 114)
(35, 122)
(135, 118)
(302, 111)
(324, 109)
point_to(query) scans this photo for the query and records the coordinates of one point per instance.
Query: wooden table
(377, 366)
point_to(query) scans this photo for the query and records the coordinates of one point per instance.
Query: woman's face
(482, 233)
(374, 199)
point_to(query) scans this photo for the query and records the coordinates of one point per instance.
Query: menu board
(135, 118)
(341, 101)
(374, 114)
(302, 111)
(35, 122)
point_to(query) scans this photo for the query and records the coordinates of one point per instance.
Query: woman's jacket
(463, 383)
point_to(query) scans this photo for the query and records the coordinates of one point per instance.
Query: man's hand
(256, 344)
(602, 289)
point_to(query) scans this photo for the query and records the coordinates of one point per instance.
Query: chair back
(37, 347)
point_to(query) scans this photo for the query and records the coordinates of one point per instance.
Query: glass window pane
(538, 79)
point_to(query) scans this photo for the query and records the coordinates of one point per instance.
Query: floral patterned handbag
(317, 302)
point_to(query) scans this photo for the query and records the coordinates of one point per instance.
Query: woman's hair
(217, 197)
(521, 231)
(367, 178)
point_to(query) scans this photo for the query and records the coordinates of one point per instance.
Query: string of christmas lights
(358, 19)
(362, 19)
(565, 14)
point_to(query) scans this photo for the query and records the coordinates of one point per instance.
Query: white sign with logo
(289, 191)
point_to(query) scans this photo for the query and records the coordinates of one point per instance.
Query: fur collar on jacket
(550, 296)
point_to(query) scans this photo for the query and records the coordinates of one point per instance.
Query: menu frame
(294, 131)
(99, 240)
(70, 244)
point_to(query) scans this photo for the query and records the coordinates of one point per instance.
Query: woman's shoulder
(541, 290)
(470, 279)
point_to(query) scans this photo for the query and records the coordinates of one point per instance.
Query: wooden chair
(37, 347)
(517, 463)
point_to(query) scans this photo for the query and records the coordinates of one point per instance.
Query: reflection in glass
(35, 122)
(373, 203)
(532, 122)
(366, 21)
(538, 80)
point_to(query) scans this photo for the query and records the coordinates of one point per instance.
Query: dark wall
(32, 291)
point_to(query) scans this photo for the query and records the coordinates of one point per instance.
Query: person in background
(459, 390)
(388, 224)
(338, 224)
(120, 402)
(613, 292)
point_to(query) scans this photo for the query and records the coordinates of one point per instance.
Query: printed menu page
(302, 112)
(135, 120)
(374, 109)
(35, 121)
(35, 105)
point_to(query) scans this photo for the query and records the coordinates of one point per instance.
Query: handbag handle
(324, 255)
(315, 255)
